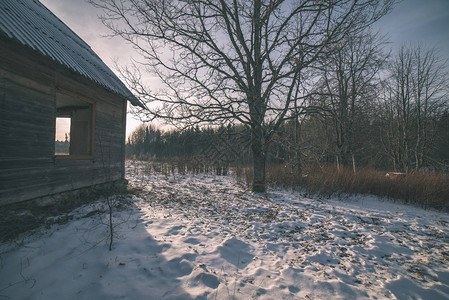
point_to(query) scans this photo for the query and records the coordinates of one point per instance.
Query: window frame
(92, 105)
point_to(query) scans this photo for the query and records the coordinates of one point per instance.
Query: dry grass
(424, 189)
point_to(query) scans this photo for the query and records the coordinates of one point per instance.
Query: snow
(207, 237)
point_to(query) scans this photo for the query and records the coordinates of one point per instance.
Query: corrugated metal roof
(31, 23)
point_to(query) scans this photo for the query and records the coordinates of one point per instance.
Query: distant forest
(307, 142)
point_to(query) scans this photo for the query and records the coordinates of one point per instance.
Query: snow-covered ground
(205, 236)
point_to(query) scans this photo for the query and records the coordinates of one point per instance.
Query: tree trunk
(297, 147)
(259, 159)
(257, 107)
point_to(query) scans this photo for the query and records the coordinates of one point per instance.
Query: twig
(24, 279)
(219, 280)
(236, 276)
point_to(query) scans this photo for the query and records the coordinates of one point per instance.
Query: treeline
(216, 144)
(302, 145)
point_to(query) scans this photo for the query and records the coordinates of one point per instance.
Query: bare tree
(350, 76)
(232, 61)
(416, 94)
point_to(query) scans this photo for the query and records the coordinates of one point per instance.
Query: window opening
(74, 128)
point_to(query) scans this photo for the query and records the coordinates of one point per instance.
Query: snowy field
(207, 237)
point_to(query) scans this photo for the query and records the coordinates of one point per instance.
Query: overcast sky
(411, 22)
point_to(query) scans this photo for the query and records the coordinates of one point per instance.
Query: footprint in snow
(174, 230)
(192, 241)
(236, 252)
(178, 267)
(206, 279)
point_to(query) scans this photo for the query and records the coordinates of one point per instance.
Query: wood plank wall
(28, 168)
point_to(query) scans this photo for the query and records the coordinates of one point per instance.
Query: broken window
(74, 127)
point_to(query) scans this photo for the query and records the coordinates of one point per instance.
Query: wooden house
(62, 110)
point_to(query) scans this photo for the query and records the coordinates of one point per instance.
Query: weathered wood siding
(28, 167)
